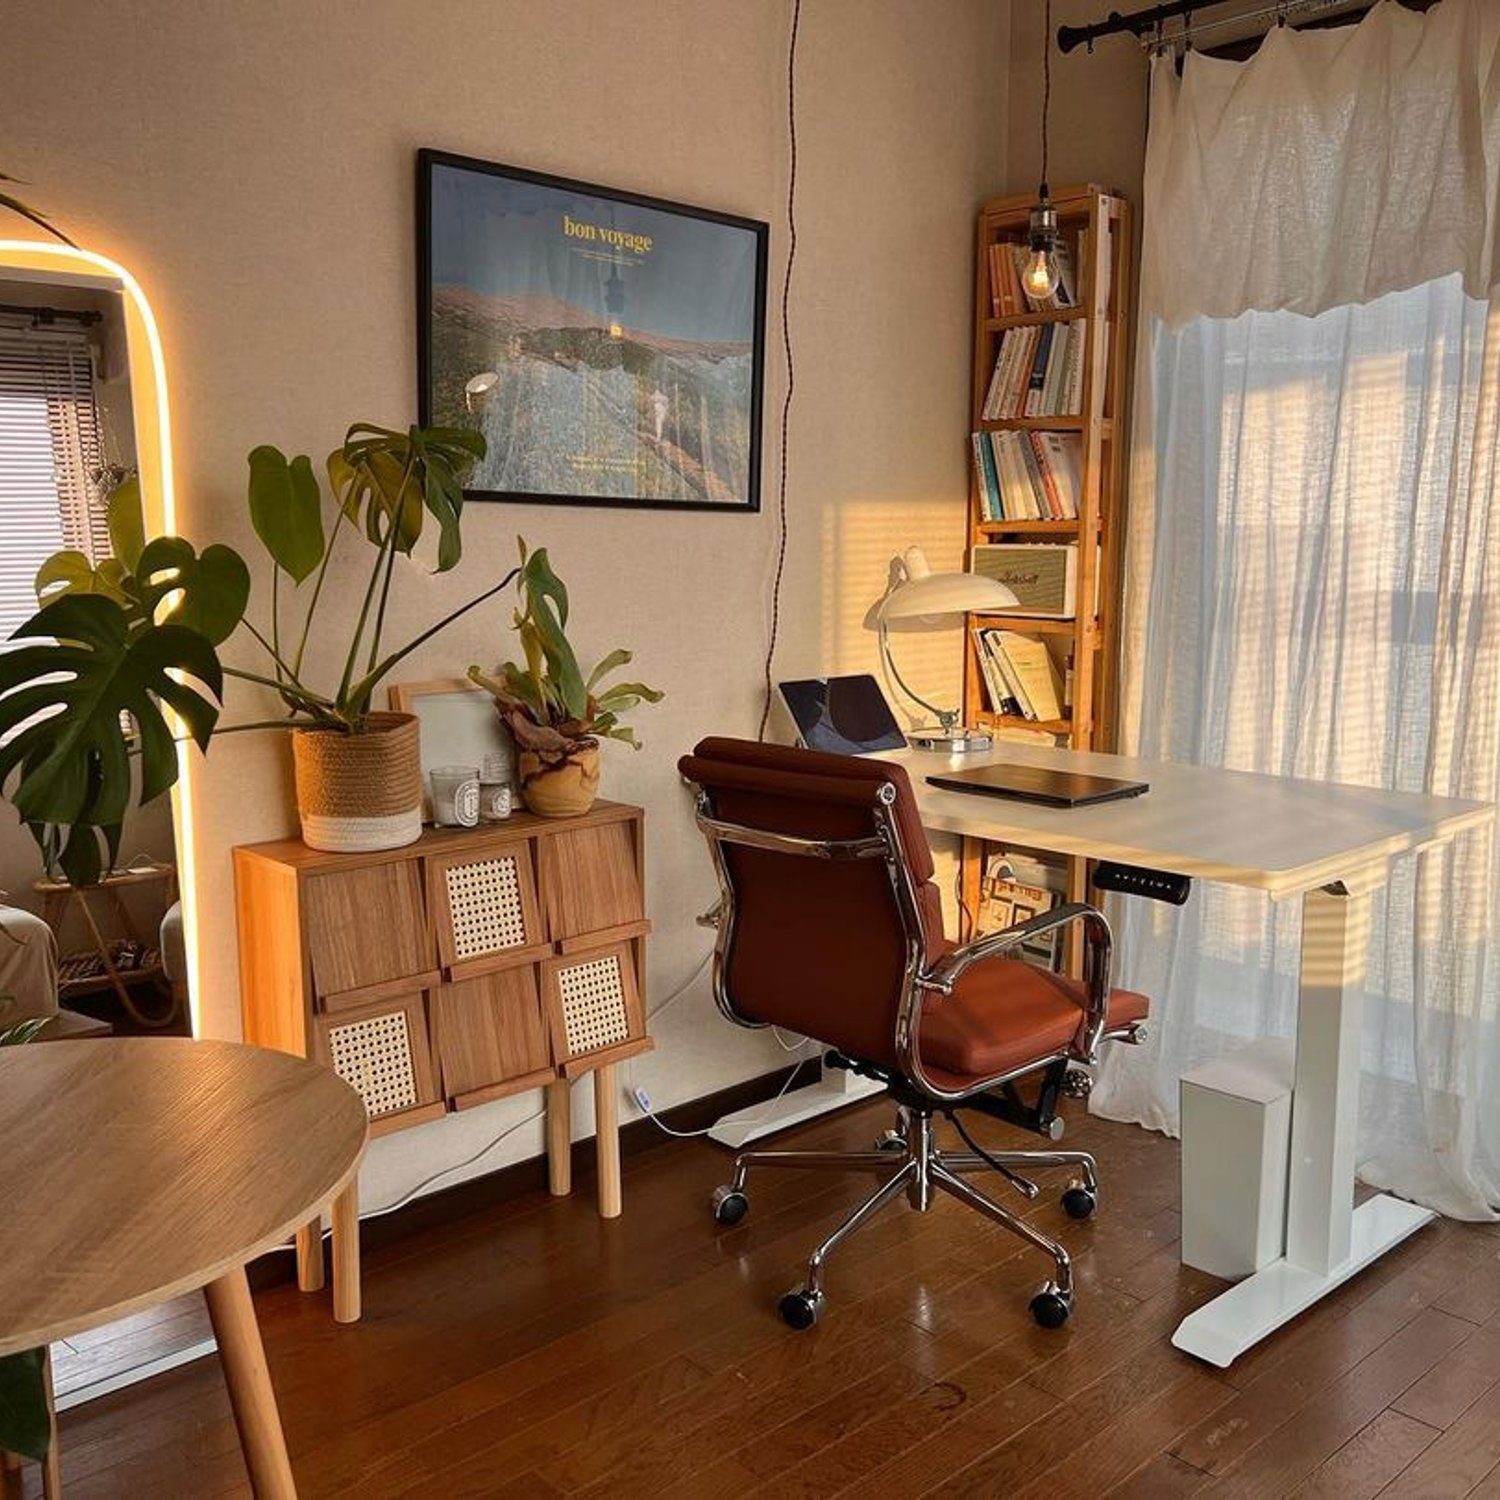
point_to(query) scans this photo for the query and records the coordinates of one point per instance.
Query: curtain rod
(1143, 23)
(51, 314)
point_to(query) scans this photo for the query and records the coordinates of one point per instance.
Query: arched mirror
(83, 410)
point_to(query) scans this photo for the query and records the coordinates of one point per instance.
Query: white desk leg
(1328, 1241)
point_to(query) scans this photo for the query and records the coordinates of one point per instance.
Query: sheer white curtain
(1313, 569)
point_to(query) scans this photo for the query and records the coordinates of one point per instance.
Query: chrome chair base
(913, 1167)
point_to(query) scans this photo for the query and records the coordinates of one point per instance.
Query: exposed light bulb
(1041, 275)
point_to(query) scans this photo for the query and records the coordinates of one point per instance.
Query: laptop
(844, 715)
(1039, 784)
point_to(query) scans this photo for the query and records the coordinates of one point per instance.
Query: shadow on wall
(858, 539)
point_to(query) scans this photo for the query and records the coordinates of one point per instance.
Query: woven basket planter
(360, 792)
(563, 789)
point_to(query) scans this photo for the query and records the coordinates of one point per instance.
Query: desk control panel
(1135, 880)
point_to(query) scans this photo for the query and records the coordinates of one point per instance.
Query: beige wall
(252, 162)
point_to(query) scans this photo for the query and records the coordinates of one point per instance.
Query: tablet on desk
(1039, 784)
(844, 715)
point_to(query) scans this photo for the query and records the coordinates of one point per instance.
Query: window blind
(50, 448)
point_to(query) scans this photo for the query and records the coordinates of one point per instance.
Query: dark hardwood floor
(532, 1351)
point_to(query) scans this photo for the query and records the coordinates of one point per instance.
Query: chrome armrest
(1097, 945)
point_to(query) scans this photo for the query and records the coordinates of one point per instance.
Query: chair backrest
(817, 945)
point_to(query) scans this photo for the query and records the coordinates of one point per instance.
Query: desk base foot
(751, 1123)
(1222, 1330)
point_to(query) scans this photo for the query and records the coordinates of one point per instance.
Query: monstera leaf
(385, 479)
(83, 665)
(206, 592)
(286, 510)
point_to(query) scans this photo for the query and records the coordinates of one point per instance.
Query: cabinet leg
(232, 1314)
(560, 1137)
(607, 1140)
(310, 1257)
(346, 1295)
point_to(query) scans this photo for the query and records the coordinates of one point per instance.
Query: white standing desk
(1331, 845)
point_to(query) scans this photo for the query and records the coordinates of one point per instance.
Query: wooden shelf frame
(1097, 221)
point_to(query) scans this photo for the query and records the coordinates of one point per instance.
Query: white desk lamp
(919, 599)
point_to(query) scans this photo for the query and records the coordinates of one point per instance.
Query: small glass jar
(497, 801)
(455, 796)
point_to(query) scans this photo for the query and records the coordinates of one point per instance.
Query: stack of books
(1020, 677)
(1028, 476)
(1038, 372)
(1008, 296)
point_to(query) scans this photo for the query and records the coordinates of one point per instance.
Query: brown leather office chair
(830, 925)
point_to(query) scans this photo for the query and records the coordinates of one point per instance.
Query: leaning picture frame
(457, 725)
(609, 346)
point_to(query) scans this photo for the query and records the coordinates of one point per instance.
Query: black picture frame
(436, 408)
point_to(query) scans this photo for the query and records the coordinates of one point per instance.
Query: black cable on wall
(786, 344)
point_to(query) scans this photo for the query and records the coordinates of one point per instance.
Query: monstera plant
(555, 714)
(86, 690)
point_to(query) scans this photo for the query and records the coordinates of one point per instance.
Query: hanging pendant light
(1041, 275)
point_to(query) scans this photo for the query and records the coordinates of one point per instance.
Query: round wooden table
(135, 1170)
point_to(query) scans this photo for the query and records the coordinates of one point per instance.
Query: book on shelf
(1020, 675)
(1042, 575)
(1038, 372)
(1028, 476)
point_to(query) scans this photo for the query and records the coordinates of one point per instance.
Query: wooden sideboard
(472, 964)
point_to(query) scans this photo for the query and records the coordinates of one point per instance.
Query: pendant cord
(786, 344)
(1046, 87)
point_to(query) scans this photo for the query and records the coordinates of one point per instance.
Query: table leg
(310, 1257)
(607, 1140)
(560, 1137)
(232, 1314)
(12, 1485)
(52, 1464)
(1328, 1240)
(346, 1293)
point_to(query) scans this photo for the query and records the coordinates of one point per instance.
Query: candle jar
(455, 796)
(496, 801)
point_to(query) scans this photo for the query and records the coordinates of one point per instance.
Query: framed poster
(610, 347)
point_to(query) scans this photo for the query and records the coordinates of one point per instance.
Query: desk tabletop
(1272, 833)
(137, 1169)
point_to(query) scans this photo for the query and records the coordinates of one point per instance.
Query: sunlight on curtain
(1319, 547)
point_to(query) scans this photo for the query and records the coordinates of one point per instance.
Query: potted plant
(140, 634)
(555, 714)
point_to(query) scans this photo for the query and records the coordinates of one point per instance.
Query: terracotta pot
(360, 792)
(560, 789)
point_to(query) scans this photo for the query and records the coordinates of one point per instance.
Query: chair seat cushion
(1004, 1014)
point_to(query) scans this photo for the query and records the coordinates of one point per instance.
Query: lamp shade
(924, 598)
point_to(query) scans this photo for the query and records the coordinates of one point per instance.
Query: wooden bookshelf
(1095, 222)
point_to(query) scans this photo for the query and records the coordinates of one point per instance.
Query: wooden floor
(534, 1352)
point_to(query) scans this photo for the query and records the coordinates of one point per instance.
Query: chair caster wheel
(800, 1308)
(1078, 1202)
(1078, 1083)
(890, 1140)
(730, 1205)
(1050, 1308)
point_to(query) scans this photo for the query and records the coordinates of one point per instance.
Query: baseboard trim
(507, 1183)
